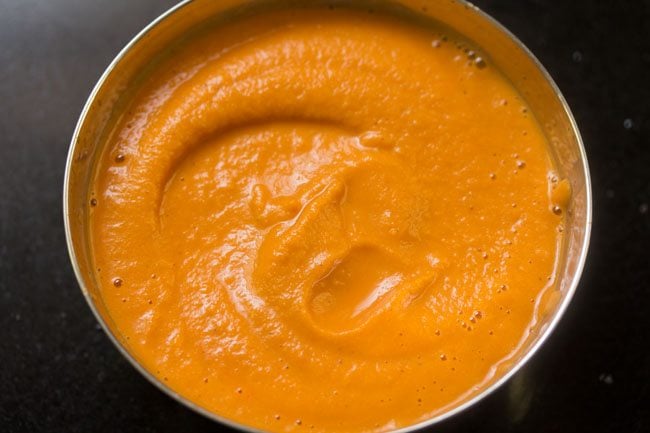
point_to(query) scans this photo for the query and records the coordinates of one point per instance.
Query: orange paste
(325, 221)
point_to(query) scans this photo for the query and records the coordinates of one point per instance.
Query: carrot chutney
(325, 220)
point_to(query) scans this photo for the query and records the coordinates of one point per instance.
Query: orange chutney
(320, 220)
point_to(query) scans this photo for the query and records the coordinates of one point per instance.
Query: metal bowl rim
(245, 428)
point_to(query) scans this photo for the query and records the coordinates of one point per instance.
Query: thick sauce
(325, 221)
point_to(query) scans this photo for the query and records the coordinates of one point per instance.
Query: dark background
(60, 373)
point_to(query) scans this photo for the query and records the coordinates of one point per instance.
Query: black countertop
(60, 373)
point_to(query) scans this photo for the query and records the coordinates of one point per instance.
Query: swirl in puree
(325, 220)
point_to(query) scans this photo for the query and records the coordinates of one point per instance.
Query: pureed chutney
(326, 220)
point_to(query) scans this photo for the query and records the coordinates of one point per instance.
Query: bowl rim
(532, 350)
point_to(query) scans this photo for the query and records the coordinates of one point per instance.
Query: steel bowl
(503, 50)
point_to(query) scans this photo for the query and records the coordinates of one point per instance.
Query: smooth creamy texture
(325, 221)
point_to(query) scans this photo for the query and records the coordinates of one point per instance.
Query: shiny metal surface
(501, 48)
